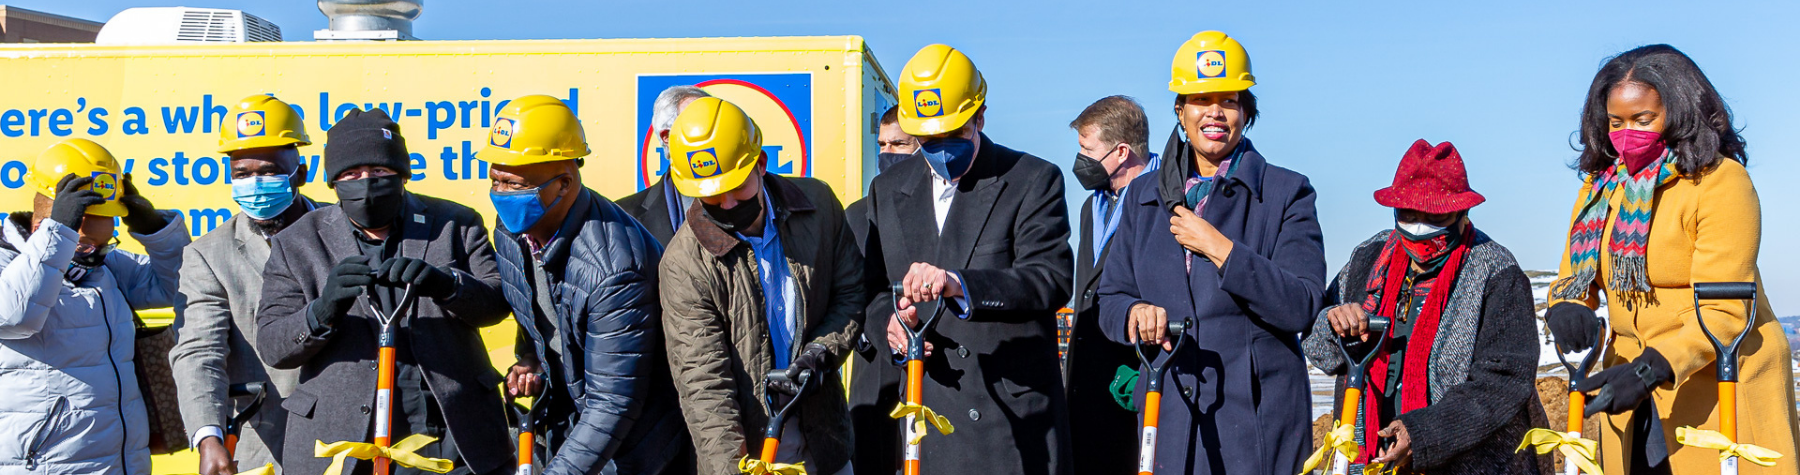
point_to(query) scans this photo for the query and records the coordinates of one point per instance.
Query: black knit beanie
(365, 138)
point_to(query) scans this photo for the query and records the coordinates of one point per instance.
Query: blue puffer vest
(618, 402)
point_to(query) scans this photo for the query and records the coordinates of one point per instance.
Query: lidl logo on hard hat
(250, 124)
(1210, 64)
(703, 162)
(106, 184)
(781, 105)
(928, 103)
(502, 134)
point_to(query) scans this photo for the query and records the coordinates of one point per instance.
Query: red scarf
(1385, 281)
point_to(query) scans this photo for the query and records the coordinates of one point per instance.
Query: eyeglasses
(85, 249)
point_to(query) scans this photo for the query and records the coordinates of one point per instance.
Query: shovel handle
(769, 446)
(1147, 442)
(1577, 406)
(915, 382)
(1724, 290)
(384, 405)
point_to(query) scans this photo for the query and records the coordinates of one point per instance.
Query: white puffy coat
(69, 399)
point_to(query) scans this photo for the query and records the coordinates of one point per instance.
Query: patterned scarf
(1386, 279)
(1630, 232)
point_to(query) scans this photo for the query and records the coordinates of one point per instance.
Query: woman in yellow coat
(1666, 203)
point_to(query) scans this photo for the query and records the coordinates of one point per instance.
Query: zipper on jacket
(57, 406)
(119, 381)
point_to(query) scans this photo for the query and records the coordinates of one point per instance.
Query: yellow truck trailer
(158, 109)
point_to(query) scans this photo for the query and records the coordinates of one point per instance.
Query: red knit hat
(1431, 179)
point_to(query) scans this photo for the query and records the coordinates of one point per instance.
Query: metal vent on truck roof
(171, 25)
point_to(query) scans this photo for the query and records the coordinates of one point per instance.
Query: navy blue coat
(1236, 399)
(610, 397)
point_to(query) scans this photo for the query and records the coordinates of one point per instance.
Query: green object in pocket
(1123, 383)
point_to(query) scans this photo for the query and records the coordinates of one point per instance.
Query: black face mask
(372, 203)
(885, 160)
(85, 263)
(1091, 173)
(737, 219)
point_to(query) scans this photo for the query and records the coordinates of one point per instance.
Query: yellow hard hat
(535, 129)
(1210, 62)
(940, 90)
(261, 121)
(83, 158)
(713, 147)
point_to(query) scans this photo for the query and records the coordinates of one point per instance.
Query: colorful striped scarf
(1630, 232)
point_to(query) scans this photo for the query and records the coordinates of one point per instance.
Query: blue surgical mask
(263, 197)
(949, 157)
(521, 209)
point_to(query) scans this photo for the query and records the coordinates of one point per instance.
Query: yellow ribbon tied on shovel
(1707, 439)
(759, 467)
(1341, 439)
(925, 415)
(402, 453)
(1581, 451)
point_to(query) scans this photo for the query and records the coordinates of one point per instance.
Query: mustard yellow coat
(1703, 230)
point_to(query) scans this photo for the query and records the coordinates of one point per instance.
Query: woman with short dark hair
(1219, 237)
(1666, 203)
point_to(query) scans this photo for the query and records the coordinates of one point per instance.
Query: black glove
(1574, 326)
(73, 197)
(1623, 387)
(347, 280)
(431, 281)
(139, 214)
(812, 357)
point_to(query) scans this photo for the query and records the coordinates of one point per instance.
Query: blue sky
(1345, 87)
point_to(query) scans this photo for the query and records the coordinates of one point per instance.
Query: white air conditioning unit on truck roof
(177, 25)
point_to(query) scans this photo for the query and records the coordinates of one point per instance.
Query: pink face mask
(1637, 147)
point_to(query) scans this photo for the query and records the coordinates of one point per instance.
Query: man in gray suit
(221, 279)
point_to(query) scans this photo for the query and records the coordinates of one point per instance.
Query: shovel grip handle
(1724, 290)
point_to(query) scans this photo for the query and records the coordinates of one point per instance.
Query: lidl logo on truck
(250, 124)
(781, 105)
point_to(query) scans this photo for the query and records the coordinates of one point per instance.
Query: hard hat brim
(1211, 85)
(712, 186)
(111, 208)
(261, 142)
(512, 158)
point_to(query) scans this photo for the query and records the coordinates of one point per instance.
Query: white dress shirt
(943, 193)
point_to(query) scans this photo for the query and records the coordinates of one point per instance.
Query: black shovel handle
(1726, 357)
(1177, 328)
(915, 343)
(1358, 368)
(770, 382)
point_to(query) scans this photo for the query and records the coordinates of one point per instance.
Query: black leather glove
(812, 357)
(347, 280)
(1623, 387)
(1574, 326)
(431, 281)
(139, 214)
(73, 197)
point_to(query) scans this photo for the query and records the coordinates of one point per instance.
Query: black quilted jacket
(610, 397)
